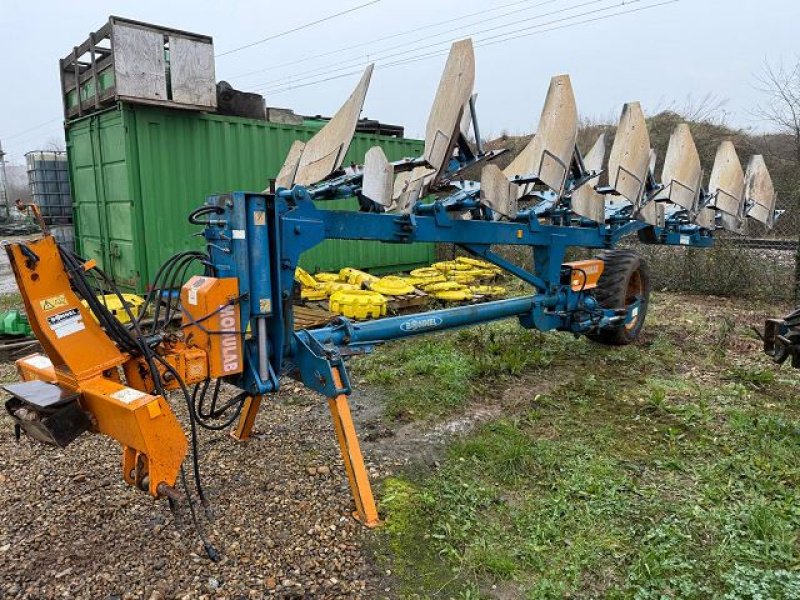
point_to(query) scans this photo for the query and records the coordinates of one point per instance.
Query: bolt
(167, 490)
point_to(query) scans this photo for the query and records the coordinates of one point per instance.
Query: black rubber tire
(625, 275)
(648, 235)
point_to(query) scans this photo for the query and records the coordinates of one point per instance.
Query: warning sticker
(39, 362)
(197, 283)
(54, 302)
(259, 217)
(238, 234)
(128, 395)
(66, 323)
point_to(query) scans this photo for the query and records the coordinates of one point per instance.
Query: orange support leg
(247, 418)
(366, 512)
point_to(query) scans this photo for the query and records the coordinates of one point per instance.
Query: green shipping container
(137, 172)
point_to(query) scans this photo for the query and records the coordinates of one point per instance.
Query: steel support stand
(366, 512)
(247, 418)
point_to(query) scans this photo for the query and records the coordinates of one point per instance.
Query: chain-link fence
(761, 264)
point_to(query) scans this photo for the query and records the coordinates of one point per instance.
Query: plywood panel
(139, 62)
(192, 72)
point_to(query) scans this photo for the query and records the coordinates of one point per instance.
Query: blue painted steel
(259, 240)
(390, 328)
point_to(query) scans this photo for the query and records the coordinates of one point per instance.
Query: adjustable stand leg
(247, 418)
(353, 460)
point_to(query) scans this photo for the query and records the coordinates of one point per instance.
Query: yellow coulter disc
(453, 295)
(313, 293)
(444, 286)
(461, 276)
(337, 286)
(425, 272)
(351, 275)
(474, 262)
(326, 277)
(450, 265)
(470, 275)
(113, 304)
(305, 278)
(358, 304)
(488, 290)
(391, 286)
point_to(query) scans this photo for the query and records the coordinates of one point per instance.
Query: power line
(34, 128)
(382, 56)
(325, 68)
(298, 28)
(479, 44)
(267, 88)
(396, 35)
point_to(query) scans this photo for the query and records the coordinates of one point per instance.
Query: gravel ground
(8, 285)
(71, 528)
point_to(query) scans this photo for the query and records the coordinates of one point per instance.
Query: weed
(757, 377)
(636, 475)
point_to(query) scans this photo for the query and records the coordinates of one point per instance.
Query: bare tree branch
(781, 107)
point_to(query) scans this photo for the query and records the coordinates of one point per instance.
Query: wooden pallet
(407, 303)
(311, 315)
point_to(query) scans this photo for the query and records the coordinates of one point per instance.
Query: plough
(237, 319)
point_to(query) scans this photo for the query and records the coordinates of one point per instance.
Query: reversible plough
(236, 322)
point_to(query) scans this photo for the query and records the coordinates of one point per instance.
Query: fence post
(797, 274)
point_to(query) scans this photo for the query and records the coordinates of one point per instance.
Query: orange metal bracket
(585, 273)
(152, 439)
(366, 512)
(247, 418)
(80, 357)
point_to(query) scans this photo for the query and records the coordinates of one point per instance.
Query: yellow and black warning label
(66, 323)
(53, 302)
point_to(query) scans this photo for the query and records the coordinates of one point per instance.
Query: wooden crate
(138, 62)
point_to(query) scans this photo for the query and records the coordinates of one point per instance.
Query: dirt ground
(70, 527)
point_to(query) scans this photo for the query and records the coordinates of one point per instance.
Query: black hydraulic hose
(216, 413)
(192, 427)
(177, 280)
(211, 551)
(163, 272)
(204, 210)
(101, 311)
(170, 277)
(110, 323)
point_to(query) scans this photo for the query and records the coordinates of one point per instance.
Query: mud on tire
(625, 278)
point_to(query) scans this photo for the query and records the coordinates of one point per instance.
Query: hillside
(778, 150)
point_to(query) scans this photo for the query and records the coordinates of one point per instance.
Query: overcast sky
(664, 55)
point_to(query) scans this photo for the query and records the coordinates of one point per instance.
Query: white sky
(664, 55)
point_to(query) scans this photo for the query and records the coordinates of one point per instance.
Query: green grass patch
(435, 375)
(642, 472)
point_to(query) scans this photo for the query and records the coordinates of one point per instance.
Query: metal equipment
(782, 338)
(237, 318)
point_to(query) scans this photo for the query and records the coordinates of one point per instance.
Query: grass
(450, 369)
(669, 470)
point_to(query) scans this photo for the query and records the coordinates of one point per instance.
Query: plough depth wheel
(625, 280)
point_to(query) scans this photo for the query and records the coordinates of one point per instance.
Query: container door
(102, 198)
(119, 211)
(90, 232)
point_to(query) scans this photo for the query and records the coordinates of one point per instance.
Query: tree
(780, 85)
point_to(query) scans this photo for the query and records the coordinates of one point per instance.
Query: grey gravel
(70, 528)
